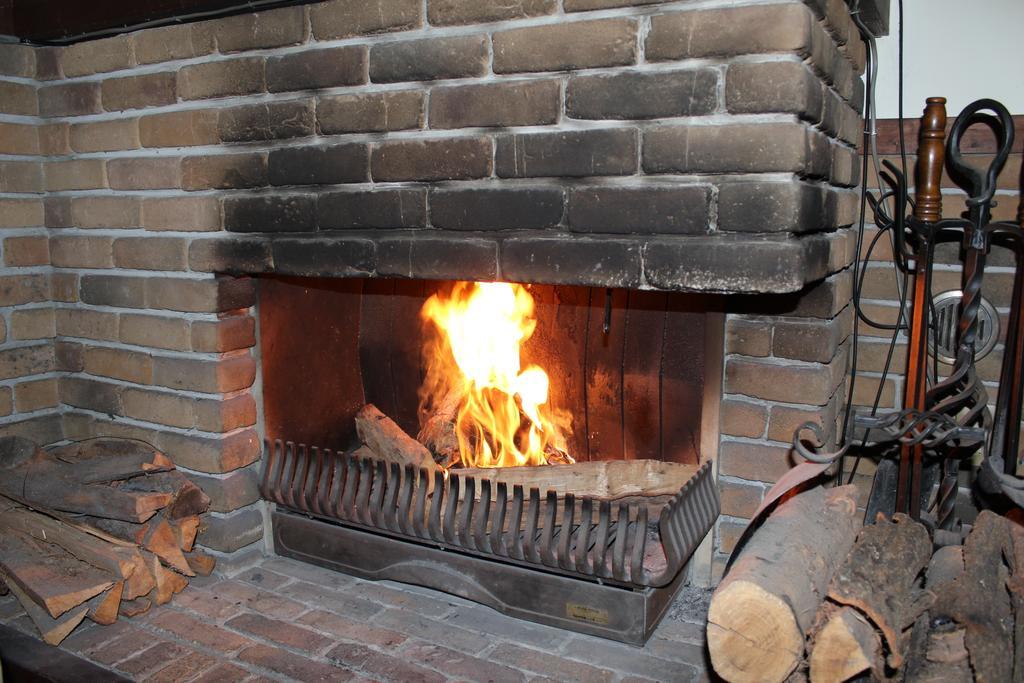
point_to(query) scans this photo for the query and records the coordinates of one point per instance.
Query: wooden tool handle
(931, 155)
(1020, 205)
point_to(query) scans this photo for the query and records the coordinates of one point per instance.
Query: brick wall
(630, 143)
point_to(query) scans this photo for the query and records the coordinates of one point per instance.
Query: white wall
(975, 49)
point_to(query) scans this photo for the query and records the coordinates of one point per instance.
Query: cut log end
(752, 635)
(847, 646)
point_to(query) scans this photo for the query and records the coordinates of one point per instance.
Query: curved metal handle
(980, 184)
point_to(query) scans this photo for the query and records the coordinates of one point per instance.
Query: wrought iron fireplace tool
(949, 422)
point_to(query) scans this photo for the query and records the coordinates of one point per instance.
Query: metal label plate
(591, 615)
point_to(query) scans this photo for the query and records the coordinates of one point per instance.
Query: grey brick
(380, 208)
(370, 113)
(319, 165)
(679, 209)
(735, 148)
(641, 95)
(313, 69)
(496, 209)
(429, 59)
(270, 213)
(273, 121)
(567, 153)
(452, 159)
(335, 257)
(597, 262)
(438, 258)
(531, 103)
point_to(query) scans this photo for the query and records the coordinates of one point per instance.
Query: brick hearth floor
(285, 620)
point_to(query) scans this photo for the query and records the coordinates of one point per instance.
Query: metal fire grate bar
(526, 527)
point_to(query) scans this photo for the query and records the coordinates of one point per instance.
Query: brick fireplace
(151, 182)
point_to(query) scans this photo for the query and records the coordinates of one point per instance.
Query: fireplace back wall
(636, 391)
(634, 144)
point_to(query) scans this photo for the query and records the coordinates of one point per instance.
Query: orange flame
(504, 419)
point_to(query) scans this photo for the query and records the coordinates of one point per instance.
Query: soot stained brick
(772, 207)
(565, 46)
(439, 258)
(737, 148)
(496, 209)
(274, 121)
(495, 104)
(599, 262)
(317, 69)
(319, 165)
(324, 257)
(372, 209)
(429, 59)
(667, 210)
(567, 153)
(642, 95)
(455, 159)
(270, 213)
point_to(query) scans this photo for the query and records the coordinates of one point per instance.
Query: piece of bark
(187, 498)
(1015, 557)
(764, 607)
(846, 646)
(127, 531)
(133, 608)
(103, 608)
(438, 431)
(77, 478)
(388, 441)
(53, 631)
(877, 576)
(978, 600)
(201, 563)
(605, 479)
(91, 546)
(51, 577)
(186, 529)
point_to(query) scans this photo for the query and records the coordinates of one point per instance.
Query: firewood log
(438, 431)
(388, 441)
(1015, 556)
(878, 575)
(118, 557)
(133, 608)
(846, 646)
(187, 499)
(103, 609)
(48, 575)
(201, 563)
(141, 582)
(77, 477)
(764, 607)
(53, 631)
(167, 583)
(186, 529)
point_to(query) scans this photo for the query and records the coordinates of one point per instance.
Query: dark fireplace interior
(638, 371)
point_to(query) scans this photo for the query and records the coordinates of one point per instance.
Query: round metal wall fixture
(946, 318)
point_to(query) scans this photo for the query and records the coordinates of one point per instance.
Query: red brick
(28, 250)
(741, 418)
(292, 665)
(546, 664)
(211, 455)
(225, 415)
(179, 129)
(183, 668)
(346, 18)
(18, 98)
(739, 500)
(30, 396)
(754, 461)
(155, 331)
(200, 296)
(23, 176)
(141, 173)
(158, 407)
(54, 139)
(212, 376)
(814, 384)
(76, 251)
(33, 323)
(192, 630)
(259, 601)
(275, 28)
(18, 138)
(382, 665)
(130, 366)
(280, 632)
(86, 324)
(350, 629)
(151, 659)
(70, 99)
(229, 334)
(106, 212)
(459, 665)
(566, 46)
(97, 56)
(173, 42)
(242, 76)
(151, 253)
(105, 136)
(23, 289)
(199, 214)
(21, 213)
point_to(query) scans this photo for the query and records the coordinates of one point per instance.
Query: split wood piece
(89, 545)
(162, 540)
(103, 609)
(387, 440)
(846, 646)
(141, 582)
(764, 607)
(187, 499)
(201, 563)
(77, 477)
(605, 479)
(48, 575)
(133, 608)
(877, 577)
(937, 652)
(979, 602)
(438, 431)
(186, 529)
(53, 631)
(168, 583)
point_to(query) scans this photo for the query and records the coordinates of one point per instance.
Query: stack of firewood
(813, 594)
(95, 529)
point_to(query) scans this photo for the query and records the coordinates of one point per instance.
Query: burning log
(439, 433)
(765, 606)
(387, 440)
(63, 571)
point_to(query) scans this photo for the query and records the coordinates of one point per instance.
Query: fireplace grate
(585, 537)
